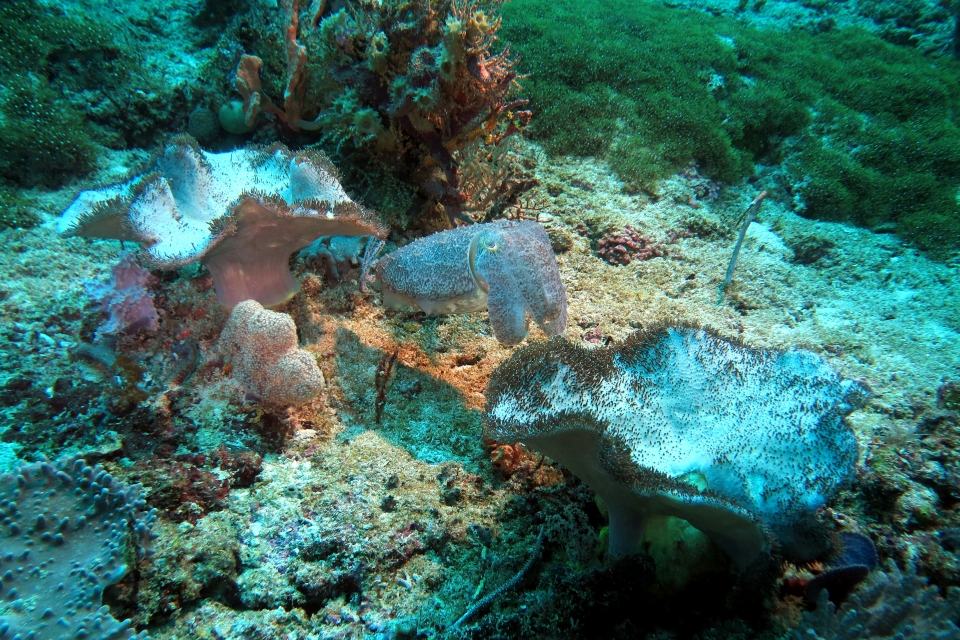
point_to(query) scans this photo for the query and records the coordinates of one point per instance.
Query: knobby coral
(627, 245)
(241, 213)
(261, 347)
(742, 443)
(66, 535)
(507, 267)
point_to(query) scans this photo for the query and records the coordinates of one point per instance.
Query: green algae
(865, 129)
(16, 210)
(42, 140)
(46, 58)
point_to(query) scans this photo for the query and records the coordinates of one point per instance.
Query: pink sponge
(261, 346)
(126, 299)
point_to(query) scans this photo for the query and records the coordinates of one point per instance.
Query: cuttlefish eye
(490, 242)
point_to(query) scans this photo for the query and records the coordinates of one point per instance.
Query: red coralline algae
(182, 488)
(627, 245)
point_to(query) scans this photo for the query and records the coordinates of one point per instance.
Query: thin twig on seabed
(510, 584)
(369, 260)
(381, 379)
(749, 216)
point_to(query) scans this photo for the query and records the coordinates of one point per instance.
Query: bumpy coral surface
(627, 245)
(241, 213)
(507, 267)
(649, 423)
(262, 347)
(65, 534)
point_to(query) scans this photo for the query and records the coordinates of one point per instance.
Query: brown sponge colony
(261, 346)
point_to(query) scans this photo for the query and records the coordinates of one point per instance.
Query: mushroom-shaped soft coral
(241, 213)
(261, 346)
(648, 423)
(507, 267)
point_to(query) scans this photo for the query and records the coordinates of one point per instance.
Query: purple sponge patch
(126, 299)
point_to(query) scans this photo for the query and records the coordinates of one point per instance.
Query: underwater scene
(470, 319)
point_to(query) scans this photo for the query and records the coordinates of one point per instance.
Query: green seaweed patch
(43, 140)
(16, 210)
(864, 128)
(47, 58)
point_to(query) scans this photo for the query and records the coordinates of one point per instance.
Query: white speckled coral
(261, 346)
(507, 267)
(639, 422)
(241, 213)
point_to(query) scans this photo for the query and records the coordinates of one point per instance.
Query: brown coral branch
(247, 78)
(381, 379)
(296, 62)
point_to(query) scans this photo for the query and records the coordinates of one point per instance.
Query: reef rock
(241, 213)
(506, 267)
(742, 443)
